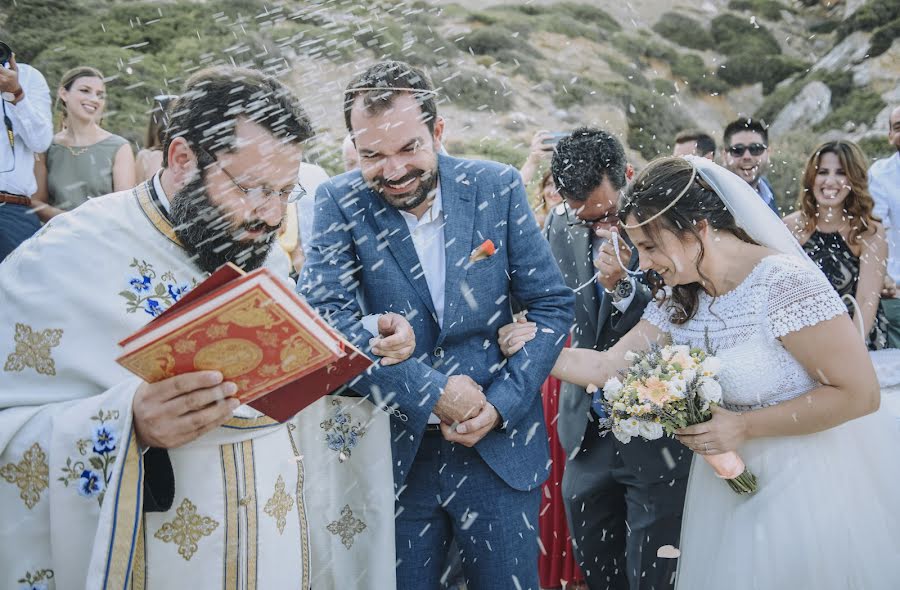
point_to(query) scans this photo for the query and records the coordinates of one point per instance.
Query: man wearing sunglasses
(746, 153)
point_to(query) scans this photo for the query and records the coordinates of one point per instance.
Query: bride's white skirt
(825, 516)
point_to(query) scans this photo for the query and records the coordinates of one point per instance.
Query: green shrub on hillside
(869, 16)
(491, 149)
(569, 91)
(643, 48)
(770, 70)
(653, 122)
(884, 37)
(691, 69)
(565, 18)
(861, 107)
(876, 147)
(770, 9)
(684, 31)
(473, 89)
(787, 159)
(737, 36)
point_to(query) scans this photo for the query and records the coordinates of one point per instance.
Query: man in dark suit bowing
(448, 243)
(623, 501)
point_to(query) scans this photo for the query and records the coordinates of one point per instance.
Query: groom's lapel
(393, 230)
(458, 189)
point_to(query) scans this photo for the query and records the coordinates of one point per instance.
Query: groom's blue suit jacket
(362, 260)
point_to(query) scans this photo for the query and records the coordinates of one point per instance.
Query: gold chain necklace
(77, 152)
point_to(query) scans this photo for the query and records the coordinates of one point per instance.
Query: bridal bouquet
(666, 389)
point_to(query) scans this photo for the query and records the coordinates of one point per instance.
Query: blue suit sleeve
(537, 284)
(329, 281)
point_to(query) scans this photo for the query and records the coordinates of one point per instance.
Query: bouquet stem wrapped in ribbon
(667, 389)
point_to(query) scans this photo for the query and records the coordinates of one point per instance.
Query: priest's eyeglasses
(291, 195)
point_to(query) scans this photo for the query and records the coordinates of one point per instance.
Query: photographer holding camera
(27, 130)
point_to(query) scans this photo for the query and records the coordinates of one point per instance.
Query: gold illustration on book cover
(247, 338)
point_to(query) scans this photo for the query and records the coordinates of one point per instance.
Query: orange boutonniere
(485, 250)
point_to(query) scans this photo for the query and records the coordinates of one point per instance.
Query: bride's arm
(584, 366)
(833, 354)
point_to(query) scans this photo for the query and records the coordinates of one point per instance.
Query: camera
(5, 53)
(554, 138)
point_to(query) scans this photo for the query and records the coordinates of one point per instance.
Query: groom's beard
(209, 236)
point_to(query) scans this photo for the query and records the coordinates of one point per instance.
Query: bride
(800, 394)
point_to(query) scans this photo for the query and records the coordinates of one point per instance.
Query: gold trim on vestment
(127, 495)
(232, 535)
(153, 213)
(301, 510)
(251, 504)
(139, 569)
(248, 423)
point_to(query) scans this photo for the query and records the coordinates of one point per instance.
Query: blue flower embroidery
(153, 307)
(35, 586)
(336, 441)
(175, 292)
(90, 484)
(341, 434)
(105, 439)
(141, 284)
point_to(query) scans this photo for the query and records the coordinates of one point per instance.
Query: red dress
(556, 562)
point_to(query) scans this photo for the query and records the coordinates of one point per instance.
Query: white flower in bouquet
(688, 375)
(612, 389)
(710, 366)
(651, 430)
(710, 390)
(619, 407)
(676, 387)
(630, 356)
(630, 426)
(620, 434)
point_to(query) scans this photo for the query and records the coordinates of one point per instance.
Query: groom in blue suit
(411, 233)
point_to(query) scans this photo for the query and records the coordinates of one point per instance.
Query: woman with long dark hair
(837, 229)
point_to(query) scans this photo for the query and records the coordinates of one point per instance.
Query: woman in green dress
(84, 160)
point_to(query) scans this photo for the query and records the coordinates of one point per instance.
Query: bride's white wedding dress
(825, 515)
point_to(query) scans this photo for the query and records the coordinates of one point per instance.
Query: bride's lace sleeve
(658, 315)
(799, 296)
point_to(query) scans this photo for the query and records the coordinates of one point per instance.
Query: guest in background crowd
(746, 153)
(548, 197)
(27, 130)
(622, 501)
(84, 159)
(348, 154)
(838, 230)
(542, 144)
(149, 159)
(884, 184)
(695, 142)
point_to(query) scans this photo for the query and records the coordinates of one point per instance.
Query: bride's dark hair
(651, 192)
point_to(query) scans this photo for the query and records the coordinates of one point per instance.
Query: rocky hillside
(643, 68)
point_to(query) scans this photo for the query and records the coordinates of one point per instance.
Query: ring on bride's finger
(706, 448)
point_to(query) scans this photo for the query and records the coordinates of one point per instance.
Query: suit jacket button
(439, 352)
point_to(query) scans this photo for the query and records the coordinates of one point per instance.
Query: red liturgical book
(255, 330)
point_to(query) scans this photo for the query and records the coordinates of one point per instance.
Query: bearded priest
(107, 481)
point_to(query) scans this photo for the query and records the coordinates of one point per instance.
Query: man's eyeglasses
(291, 195)
(756, 149)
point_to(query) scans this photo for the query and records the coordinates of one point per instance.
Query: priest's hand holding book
(243, 338)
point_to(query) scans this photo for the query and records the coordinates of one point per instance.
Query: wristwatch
(12, 97)
(623, 289)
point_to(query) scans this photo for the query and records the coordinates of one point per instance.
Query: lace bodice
(781, 295)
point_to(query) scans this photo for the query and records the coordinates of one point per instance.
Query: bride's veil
(750, 212)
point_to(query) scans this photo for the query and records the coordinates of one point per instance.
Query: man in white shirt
(884, 184)
(27, 130)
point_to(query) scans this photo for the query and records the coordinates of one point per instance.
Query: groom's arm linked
(329, 281)
(536, 284)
